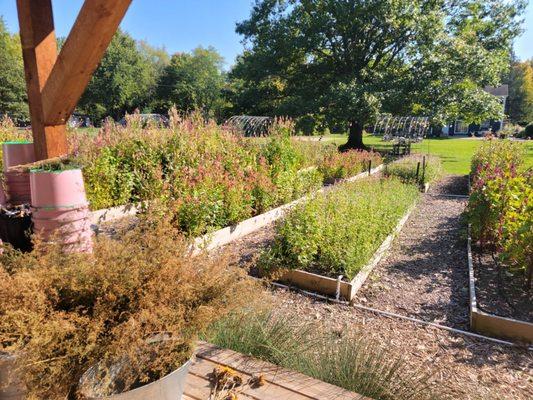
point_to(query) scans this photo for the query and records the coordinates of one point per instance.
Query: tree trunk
(355, 137)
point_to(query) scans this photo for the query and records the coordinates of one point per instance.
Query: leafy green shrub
(348, 360)
(208, 177)
(337, 232)
(406, 169)
(497, 154)
(500, 208)
(107, 183)
(339, 165)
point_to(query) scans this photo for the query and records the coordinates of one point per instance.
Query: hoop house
(250, 126)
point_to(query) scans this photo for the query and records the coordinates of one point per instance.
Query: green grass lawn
(455, 153)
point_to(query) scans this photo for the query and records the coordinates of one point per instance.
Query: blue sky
(181, 25)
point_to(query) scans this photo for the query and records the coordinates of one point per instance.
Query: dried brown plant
(63, 313)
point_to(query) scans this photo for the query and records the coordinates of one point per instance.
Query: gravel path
(425, 276)
(425, 273)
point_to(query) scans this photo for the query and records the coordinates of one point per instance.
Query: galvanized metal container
(11, 387)
(170, 387)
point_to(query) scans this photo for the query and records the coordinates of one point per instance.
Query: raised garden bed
(339, 288)
(308, 249)
(500, 216)
(485, 319)
(228, 234)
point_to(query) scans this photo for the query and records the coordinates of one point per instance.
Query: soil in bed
(499, 292)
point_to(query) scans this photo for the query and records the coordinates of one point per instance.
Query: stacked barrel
(60, 211)
(17, 183)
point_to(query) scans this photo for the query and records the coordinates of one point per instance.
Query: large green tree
(12, 85)
(521, 92)
(470, 51)
(346, 60)
(124, 81)
(193, 81)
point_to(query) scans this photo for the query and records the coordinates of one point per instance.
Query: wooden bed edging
(114, 213)
(280, 383)
(337, 288)
(491, 324)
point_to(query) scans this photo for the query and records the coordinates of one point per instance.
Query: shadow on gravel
(441, 265)
(453, 184)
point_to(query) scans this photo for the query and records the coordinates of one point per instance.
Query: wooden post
(55, 84)
(87, 42)
(39, 50)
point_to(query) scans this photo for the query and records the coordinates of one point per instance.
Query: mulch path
(424, 276)
(426, 270)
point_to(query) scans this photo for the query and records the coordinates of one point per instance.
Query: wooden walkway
(280, 384)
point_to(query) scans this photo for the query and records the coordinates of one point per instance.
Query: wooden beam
(89, 38)
(39, 50)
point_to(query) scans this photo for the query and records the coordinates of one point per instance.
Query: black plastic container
(16, 230)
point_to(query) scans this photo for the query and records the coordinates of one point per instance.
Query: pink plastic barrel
(17, 183)
(60, 212)
(64, 215)
(57, 189)
(17, 153)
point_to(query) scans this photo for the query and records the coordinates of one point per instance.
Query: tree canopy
(342, 61)
(13, 100)
(192, 82)
(520, 81)
(124, 81)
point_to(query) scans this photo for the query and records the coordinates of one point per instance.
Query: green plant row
(415, 169)
(500, 208)
(337, 232)
(207, 177)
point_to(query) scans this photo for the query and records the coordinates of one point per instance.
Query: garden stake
(417, 170)
(338, 291)
(369, 167)
(423, 169)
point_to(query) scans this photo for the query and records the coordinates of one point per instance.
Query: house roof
(502, 90)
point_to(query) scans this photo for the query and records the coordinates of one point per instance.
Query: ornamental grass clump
(337, 232)
(415, 169)
(343, 165)
(346, 359)
(500, 207)
(63, 313)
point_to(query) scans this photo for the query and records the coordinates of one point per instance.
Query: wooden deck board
(279, 383)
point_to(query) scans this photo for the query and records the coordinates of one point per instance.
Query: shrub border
(231, 233)
(337, 288)
(491, 324)
(228, 234)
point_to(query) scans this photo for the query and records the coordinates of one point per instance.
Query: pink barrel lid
(17, 153)
(57, 190)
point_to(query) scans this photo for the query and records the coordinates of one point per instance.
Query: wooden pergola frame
(55, 82)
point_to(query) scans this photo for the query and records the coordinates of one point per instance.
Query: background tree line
(330, 64)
